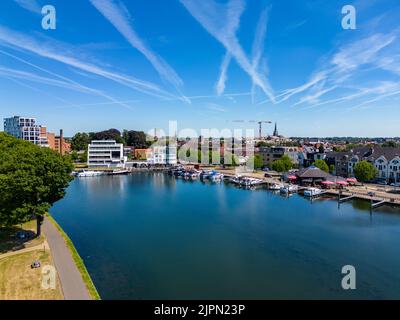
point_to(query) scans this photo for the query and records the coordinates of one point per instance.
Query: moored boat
(118, 172)
(291, 188)
(312, 192)
(216, 176)
(275, 186)
(85, 173)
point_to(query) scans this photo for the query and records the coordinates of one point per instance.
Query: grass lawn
(9, 242)
(19, 282)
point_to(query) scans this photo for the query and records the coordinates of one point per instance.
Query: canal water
(151, 236)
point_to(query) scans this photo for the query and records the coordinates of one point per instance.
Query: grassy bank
(78, 261)
(18, 281)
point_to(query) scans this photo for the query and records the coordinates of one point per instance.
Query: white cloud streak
(343, 66)
(30, 5)
(52, 51)
(75, 84)
(220, 87)
(221, 21)
(258, 45)
(117, 14)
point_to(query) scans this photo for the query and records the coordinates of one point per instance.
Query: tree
(332, 168)
(283, 164)
(137, 139)
(390, 144)
(110, 134)
(74, 156)
(321, 164)
(32, 178)
(321, 149)
(80, 141)
(278, 165)
(83, 157)
(287, 162)
(365, 171)
(257, 161)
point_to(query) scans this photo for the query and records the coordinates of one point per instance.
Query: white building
(24, 128)
(388, 169)
(394, 169)
(166, 155)
(106, 153)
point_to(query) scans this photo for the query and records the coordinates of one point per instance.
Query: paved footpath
(41, 246)
(72, 284)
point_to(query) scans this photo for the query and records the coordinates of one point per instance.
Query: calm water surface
(151, 236)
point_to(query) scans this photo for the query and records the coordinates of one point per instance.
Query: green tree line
(32, 179)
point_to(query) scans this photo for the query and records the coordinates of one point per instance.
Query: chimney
(61, 141)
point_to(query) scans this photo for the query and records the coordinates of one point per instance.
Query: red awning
(328, 183)
(343, 183)
(351, 180)
(292, 177)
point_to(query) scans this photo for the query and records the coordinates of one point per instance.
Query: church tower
(275, 134)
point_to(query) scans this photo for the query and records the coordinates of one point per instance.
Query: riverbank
(18, 281)
(71, 283)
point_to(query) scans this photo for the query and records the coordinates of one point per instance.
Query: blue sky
(138, 64)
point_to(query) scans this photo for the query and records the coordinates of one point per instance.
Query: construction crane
(255, 121)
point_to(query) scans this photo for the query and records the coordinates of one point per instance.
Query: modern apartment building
(24, 128)
(165, 155)
(271, 154)
(106, 153)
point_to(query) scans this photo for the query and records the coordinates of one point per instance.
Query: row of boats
(293, 188)
(215, 176)
(194, 174)
(247, 182)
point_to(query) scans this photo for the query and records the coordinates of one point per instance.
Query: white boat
(275, 186)
(118, 172)
(84, 174)
(216, 176)
(291, 188)
(311, 192)
(235, 179)
(250, 182)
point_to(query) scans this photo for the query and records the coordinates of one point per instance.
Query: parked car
(21, 235)
(35, 264)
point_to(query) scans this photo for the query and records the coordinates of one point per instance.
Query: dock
(346, 198)
(377, 204)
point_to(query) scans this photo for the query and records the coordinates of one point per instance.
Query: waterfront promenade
(380, 193)
(71, 280)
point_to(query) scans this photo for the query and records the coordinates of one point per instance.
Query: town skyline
(131, 68)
